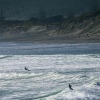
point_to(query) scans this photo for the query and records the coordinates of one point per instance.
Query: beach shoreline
(74, 41)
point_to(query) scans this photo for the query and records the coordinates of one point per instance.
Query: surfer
(27, 69)
(98, 83)
(70, 87)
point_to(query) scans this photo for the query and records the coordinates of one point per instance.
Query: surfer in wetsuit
(27, 69)
(70, 87)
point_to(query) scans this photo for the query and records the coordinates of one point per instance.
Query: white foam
(17, 75)
(51, 73)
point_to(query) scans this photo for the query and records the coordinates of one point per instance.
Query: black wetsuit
(27, 69)
(70, 87)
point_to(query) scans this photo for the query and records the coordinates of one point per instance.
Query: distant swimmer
(98, 83)
(70, 87)
(27, 69)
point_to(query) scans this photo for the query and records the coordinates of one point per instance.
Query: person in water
(70, 87)
(27, 69)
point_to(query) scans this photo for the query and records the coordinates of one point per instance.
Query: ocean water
(52, 68)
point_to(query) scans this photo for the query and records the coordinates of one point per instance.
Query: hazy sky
(23, 9)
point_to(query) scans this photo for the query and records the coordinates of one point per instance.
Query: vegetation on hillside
(87, 24)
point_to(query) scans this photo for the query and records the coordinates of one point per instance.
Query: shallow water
(15, 48)
(53, 67)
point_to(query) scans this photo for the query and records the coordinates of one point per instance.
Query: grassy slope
(85, 28)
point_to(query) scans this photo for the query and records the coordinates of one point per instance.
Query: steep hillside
(84, 28)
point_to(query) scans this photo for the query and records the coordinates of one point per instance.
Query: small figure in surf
(27, 69)
(98, 83)
(70, 87)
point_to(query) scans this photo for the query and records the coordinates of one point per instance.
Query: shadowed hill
(83, 28)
